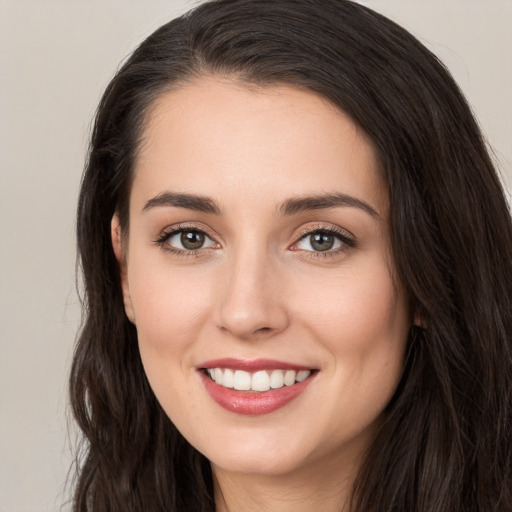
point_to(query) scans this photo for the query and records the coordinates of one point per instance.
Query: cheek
(170, 306)
(363, 322)
(355, 312)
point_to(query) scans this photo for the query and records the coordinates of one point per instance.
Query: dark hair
(445, 442)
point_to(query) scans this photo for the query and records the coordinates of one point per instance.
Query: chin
(259, 456)
(271, 465)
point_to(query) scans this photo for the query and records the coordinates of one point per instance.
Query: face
(258, 272)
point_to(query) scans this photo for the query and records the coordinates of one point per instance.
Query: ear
(120, 253)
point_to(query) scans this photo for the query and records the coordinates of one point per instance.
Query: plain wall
(56, 57)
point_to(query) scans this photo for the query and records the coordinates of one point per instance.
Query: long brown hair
(445, 442)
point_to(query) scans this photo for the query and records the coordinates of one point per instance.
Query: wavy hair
(445, 442)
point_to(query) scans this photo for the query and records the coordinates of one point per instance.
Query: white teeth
(302, 375)
(241, 381)
(289, 378)
(218, 376)
(276, 379)
(261, 380)
(228, 380)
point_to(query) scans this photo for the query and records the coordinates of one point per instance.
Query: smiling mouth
(259, 381)
(254, 387)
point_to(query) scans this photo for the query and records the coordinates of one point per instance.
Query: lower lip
(254, 403)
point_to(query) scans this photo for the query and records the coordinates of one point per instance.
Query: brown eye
(322, 241)
(187, 240)
(192, 240)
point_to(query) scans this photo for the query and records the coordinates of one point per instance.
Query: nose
(252, 301)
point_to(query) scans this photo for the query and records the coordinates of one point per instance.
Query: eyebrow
(189, 201)
(319, 202)
(289, 207)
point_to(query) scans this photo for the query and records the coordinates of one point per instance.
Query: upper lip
(252, 365)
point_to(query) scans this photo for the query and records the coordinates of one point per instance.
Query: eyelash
(164, 237)
(347, 241)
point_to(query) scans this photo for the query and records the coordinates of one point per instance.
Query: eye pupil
(322, 241)
(192, 240)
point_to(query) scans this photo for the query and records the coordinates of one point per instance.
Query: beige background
(55, 59)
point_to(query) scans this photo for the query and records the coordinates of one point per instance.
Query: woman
(296, 256)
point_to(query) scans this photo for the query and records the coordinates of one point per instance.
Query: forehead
(215, 137)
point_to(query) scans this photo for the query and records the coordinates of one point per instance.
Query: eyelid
(328, 228)
(347, 239)
(169, 231)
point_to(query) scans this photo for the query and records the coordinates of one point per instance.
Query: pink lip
(251, 366)
(247, 402)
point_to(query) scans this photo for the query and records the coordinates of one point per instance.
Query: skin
(258, 289)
